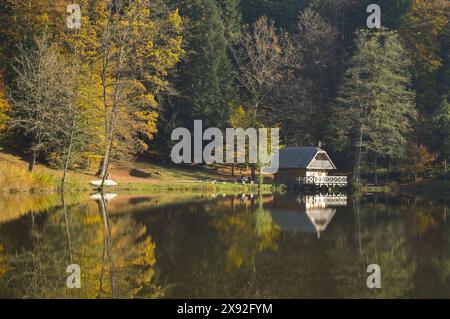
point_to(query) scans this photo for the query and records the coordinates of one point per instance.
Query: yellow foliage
(420, 158)
(425, 26)
(3, 262)
(92, 219)
(157, 48)
(27, 17)
(4, 105)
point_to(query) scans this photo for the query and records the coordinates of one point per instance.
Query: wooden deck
(333, 181)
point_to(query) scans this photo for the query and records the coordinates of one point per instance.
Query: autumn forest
(92, 204)
(116, 87)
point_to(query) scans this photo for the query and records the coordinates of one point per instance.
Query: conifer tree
(442, 128)
(375, 108)
(230, 11)
(205, 79)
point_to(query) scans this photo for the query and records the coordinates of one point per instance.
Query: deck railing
(323, 200)
(323, 180)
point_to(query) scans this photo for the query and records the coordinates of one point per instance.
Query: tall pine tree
(203, 82)
(206, 77)
(230, 11)
(376, 109)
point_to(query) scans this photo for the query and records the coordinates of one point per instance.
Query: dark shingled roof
(297, 157)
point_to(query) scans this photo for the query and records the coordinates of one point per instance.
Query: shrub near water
(14, 178)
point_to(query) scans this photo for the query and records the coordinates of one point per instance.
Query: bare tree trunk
(112, 126)
(375, 174)
(68, 156)
(32, 161)
(105, 160)
(112, 119)
(260, 181)
(357, 168)
(107, 156)
(103, 166)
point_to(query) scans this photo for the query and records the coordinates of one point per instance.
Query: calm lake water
(215, 246)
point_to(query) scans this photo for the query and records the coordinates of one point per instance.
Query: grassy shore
(375, 189)
(219, 188)
(15, 178)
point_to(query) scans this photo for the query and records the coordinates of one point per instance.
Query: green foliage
(284, 12)
(230, 11)
(203, 83)
(208, 63)
(378, 77)
(376, 106)
(442, 128)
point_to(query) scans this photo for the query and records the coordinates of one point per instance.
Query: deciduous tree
(40, 97)
(4, 104)
(138, 47)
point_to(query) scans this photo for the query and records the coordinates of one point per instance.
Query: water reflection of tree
(245, 233)
(211, 249)
(82, 234)
(441, 265)
(236, 257)
(228, 248)
(397, 235)
(382, 238)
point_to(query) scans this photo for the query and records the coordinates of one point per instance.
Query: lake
(217, 246)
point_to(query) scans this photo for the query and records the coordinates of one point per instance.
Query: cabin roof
(299, 157)
(309, 221)
(292, 220)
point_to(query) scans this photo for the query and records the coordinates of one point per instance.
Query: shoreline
(228, 188)
(201, 188)
(15, 179)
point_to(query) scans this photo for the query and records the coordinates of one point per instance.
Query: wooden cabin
(307, 166)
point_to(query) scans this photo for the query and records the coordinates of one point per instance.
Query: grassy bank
(375, 189)
(219, 188)
(18, 180)
(361, 188)
(15, 178)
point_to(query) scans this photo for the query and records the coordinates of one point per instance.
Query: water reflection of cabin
(307, 166)
(308, 214)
